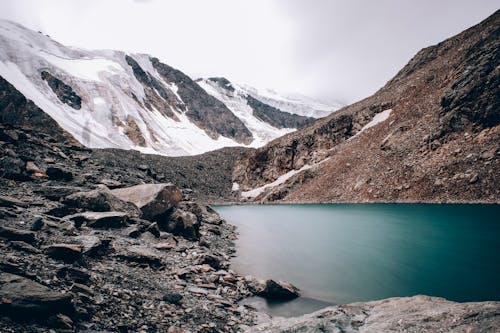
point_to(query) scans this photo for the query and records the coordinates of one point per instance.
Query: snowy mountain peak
(134, 101)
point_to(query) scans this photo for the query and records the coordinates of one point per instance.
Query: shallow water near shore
(342, 253)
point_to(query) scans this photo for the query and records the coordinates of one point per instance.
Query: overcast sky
(331, 49)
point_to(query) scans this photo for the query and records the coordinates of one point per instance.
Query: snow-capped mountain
(263, 120)
(110, 99)
(293, 103)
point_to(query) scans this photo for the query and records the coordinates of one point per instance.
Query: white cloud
(325, 48)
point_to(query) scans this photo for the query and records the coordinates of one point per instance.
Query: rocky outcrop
(17, 111)
(24, 299)
(157, 95)
(412, 314)
(275, 117)
(63, 91)
(204, 110)
(440, 119)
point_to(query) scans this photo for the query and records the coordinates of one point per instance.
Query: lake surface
(343, 253)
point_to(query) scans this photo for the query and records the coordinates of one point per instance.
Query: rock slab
(23, 299)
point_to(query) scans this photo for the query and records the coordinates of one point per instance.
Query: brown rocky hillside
(440, 142)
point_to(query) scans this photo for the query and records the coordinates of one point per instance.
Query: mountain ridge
(439, 142)
(112, 99)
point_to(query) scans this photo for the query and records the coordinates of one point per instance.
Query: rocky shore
(419, 314)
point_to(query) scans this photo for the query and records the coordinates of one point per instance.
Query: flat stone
(57, 192)
(101, 220)
(23, 246)
(141, 255)
(6, 201)
(100, 200)
(22, 299)
(92, 245)
(65, 252)
(18, 234)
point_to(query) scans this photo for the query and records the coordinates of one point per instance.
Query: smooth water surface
(343, 253)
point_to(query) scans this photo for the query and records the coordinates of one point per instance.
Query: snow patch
(87, 69)
(280, 180)
(235, 187)
(377, 119)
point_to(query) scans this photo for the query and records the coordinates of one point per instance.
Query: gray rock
(65, 252)
(23, 299)
(279, 290)
(100, 200)
(100, 220)
(59, 173)
(407, 314)
(17, 235)
(141, 255)
(173, 298)
(6, 201)
(22, 246)
(153, 200)
(57, 192)
(184, 224)
(92, 245)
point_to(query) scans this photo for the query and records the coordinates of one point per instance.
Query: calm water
(357, 252)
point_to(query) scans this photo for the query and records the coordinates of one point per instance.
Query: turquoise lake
(342, 253)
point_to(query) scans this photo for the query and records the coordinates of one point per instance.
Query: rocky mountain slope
(110, 99)
(431, 133)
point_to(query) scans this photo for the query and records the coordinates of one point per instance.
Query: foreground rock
(409, 314)
(278, 290)
(23, 299)
(152, 199)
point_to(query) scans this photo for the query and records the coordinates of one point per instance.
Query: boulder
(23, 299)
(141, 255)
(66, 252)
(172, 298)
(59, 173)
(17, 235)
(100, 200)
(279, 290)
(184, 224)
(100, 220)
(211, 260)
(92, 245)
(153, 200)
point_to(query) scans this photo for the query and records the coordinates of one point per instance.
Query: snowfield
(112, 97)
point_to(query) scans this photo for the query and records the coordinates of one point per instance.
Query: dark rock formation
(26, 300)
(204, 110)
(157, 94)
(17, 111)
(63, 91)
(275, 117)
(222, 82)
